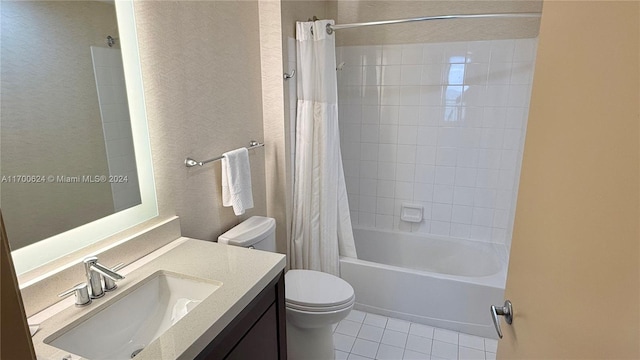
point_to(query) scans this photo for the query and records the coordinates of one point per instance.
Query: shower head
(340, 66)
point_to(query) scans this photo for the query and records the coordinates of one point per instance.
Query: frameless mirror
(75, 162)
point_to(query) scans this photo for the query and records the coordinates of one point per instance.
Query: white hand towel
(236, 181)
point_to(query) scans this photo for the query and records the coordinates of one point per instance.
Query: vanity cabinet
(258, 332)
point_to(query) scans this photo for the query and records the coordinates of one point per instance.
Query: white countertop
(243, 273)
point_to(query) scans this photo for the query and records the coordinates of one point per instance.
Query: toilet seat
(320, 309)
(315, 291)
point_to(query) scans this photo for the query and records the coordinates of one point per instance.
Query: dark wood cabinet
(258, 332)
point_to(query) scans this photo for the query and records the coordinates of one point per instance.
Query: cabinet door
(261, 342)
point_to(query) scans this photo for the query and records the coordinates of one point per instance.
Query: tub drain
(133, 354)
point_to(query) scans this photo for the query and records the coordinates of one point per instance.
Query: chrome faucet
(95, 272)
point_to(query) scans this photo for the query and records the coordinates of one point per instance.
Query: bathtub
(442, 282)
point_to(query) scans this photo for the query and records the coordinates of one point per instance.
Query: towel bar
(189, 162)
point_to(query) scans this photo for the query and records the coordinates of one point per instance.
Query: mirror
(75, 163)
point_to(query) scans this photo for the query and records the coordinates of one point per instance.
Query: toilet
(314, 300)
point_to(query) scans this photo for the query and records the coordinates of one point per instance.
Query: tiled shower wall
(439, 125)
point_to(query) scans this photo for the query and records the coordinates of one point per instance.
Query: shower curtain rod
(331, 28)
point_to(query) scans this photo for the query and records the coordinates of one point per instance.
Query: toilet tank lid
(249, 232)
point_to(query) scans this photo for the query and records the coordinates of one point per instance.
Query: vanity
(181, 298)
(243, 317)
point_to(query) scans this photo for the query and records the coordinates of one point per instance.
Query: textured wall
(276, 149)
(201, 72)
(50, 116)
(346, 11)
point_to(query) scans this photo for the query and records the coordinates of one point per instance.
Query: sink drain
(133, 354)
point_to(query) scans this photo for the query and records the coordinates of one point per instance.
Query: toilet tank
(257, 232)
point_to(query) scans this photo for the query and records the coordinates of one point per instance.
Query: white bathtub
(442, 282)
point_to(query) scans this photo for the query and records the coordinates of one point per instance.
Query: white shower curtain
(321, 228)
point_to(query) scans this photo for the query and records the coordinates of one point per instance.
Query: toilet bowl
(314, 300)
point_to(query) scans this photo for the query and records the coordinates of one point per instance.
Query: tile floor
(368, 336)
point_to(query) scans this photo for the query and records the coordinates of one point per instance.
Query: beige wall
(346, 11)
(51, 121)
(202, 79)
(574, 274)
(276, 144)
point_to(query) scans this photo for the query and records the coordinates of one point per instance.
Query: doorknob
(506, 311)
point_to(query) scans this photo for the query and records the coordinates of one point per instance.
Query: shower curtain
(321, 228)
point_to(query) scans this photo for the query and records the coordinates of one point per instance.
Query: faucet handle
(82, 294)
(109, 283)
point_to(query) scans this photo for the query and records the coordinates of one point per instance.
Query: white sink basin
(131, 322)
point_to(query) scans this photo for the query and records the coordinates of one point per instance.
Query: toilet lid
(315, 289)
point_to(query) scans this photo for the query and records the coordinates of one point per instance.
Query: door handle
(506, 311)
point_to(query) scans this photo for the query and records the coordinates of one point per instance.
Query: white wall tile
(502, 50)
(368, 169)
(371, 55)
(370, 133)
(407, 135)
(443, 194)
(387, 152)
(425, 154)
(431, 74)
(387, 170)
(369, 152)
(424, 173)
(405, 172)
(524, 50)
(478, 51)
(368, 187)
(431, 115)
(387, 188)
(406, 154)
(411, 75)
(462, 214)
(404, 190)
(371, 75)
(390, 95)
(391, 54)
(384, 222)
(460, 230)
(445, 175)
(433, 53)
(463, 195)
(476, 74)
(384, 206)
(441, 228)
(409, 115)
(437, 124)
(431, 95)
(423, 192)
(446, 156)
(388, 134)
(465, 176)
(391, 75)
(428, 136)
(441, 212)
(389, 115)
(367, 219)
(482, 217)
(410, 95)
